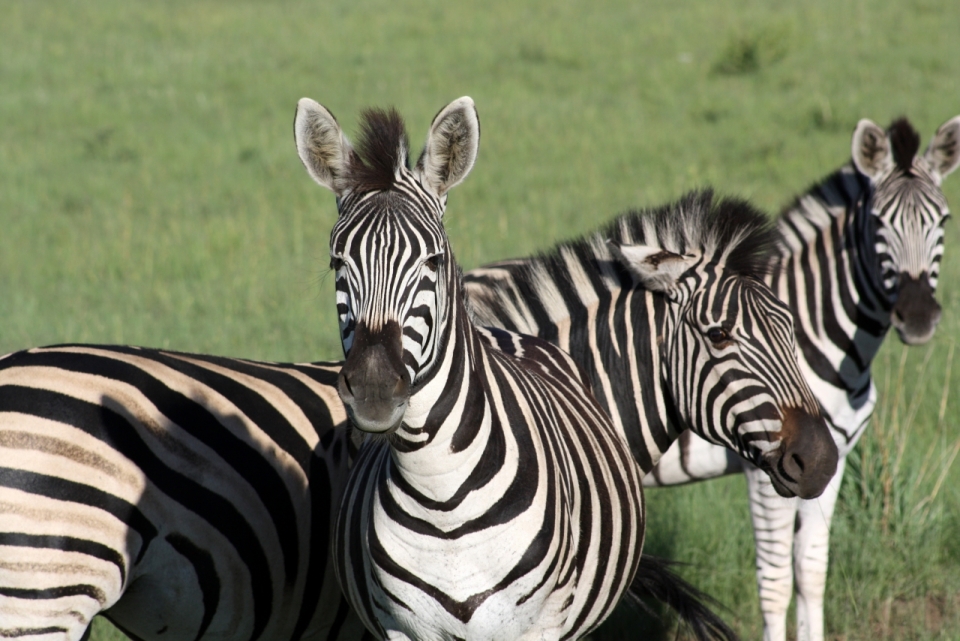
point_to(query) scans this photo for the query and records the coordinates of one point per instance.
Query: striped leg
(810, 555)
(773, 523)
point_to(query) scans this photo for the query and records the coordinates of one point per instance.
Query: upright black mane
(905, 141)
(381, 148)
(727, 230)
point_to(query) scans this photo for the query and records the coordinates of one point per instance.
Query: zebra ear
(943, 154)
(452, 146)
(658, 269)
(322, 147)
(872, 153)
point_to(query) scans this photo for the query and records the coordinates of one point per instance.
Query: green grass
(150, 194)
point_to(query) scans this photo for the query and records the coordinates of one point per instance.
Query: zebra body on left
(183, 496)
(496, 501)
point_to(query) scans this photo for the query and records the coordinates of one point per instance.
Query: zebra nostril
(798, 461)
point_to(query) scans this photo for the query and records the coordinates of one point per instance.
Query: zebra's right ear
(871, 150)
(658, 269)
(943, 154)
(322, 146)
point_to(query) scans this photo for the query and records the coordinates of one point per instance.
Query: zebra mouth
(376, 420)
(916, 313)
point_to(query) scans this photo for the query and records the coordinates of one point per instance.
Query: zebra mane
(905, 141)
(727, 230)
(381, 149)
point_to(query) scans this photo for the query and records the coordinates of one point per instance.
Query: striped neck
(827, 270)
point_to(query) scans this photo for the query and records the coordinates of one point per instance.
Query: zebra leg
(773, 522)
(810, 556)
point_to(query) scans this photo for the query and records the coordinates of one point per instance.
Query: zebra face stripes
(908, 211)
(502, 504)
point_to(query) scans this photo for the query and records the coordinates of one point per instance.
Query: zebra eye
(718, 335)
(336, 263)
(433, 262)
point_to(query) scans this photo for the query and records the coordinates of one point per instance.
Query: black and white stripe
(184, 496)
(497, 501)
(858, 253)
(666, 312)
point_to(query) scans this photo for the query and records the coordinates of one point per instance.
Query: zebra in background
(183, 496)
(494, 499)
(666, 313)
(857, 253)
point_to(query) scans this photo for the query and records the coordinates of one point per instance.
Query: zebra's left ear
(452, 146)
(943, 154)
(658, 269)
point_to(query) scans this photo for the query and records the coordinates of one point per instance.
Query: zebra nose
(372, 389)
(809, 454)
(916, 313)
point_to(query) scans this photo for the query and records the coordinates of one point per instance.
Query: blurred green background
(150, 193)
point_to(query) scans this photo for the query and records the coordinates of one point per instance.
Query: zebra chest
(475, 567)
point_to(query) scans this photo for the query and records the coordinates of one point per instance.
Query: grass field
(150, 194)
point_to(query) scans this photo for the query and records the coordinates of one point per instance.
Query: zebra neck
(827, 271)
(447, 425)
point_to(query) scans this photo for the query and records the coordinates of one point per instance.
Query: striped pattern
(858, 253)
(712, 349)
(187, 496)
(499, 503)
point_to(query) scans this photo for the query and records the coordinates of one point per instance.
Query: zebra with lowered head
(495, 500)
(666, 313)
(856, 254)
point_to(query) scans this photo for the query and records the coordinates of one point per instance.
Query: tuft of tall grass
(892, 536)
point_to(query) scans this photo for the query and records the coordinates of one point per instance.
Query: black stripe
(206, 572)
(66, 544)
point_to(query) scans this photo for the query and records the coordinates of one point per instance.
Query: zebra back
(180, 494)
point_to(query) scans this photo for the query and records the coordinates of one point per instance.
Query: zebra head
(729, 350)
(395, 274)
(907, 211)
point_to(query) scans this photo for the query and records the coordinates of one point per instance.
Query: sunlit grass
(150, 194)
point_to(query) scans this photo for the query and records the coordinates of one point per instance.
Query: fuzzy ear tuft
(658, 269)
(452, 146)
(943, 154)
(871, 150)
(322, 147)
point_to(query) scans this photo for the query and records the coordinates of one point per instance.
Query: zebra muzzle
(374, 384)
(916, 313)
(807, 456)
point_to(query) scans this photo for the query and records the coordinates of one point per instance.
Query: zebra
(495, 500)
(183, 496)
(857, 254)
(665, 311)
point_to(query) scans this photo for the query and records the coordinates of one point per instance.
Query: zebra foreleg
(773, 523)
(810, 557)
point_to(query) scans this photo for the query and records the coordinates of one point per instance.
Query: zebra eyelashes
(336, 263)
(432, 263)
(719, 336)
